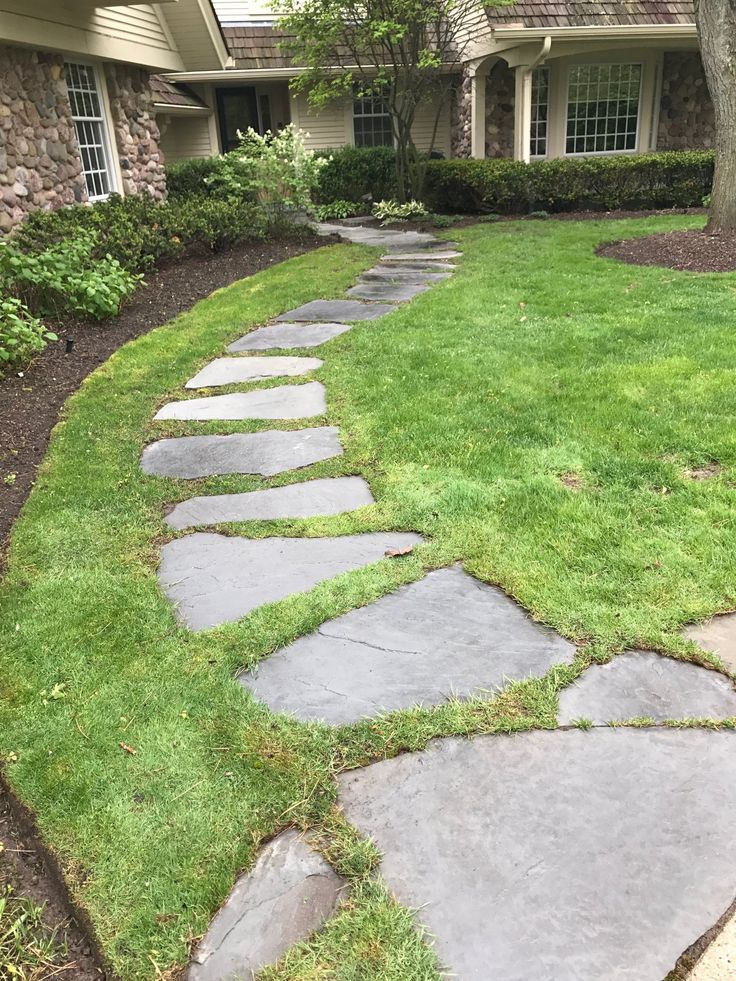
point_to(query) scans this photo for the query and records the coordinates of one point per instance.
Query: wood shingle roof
(592, 13)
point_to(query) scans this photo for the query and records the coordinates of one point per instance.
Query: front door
(237, 109)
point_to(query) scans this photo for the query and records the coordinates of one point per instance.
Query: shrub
(393, 211)
(355, 173)
(339, 209)
(212, 223)
(21, 334)
(189, 177)
(655, 180)
(66, 277)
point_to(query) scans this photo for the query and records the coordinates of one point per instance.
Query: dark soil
(30, 400)
(692, 249)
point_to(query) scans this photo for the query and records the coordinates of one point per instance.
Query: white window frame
(369, 115)
(535, 122)
(604, 64)
(104, 123)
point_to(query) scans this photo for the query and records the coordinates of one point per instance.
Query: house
(77, 110)
(541, 79)
(95, 96)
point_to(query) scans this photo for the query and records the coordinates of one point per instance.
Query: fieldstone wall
(460, 117)
(686, 112)
(136, 133)
(500, 93)
(39, 157)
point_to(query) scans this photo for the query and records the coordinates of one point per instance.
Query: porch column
(523, 113)
(478, 113)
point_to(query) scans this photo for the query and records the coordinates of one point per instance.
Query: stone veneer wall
(39, 157)
(500, 93)
(136, 133)
(686, 112)
(460, 117)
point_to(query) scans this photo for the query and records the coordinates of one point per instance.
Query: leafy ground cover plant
(21, 334)
(395, 211)
(338, 209)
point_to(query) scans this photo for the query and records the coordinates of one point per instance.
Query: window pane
(602, 108)
(540, 108)
(89, 125)
(371, 121)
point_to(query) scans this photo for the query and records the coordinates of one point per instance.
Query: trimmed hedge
(676, 179)
(187, 178)
(355, 172)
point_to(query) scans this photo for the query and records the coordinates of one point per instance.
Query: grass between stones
(467, 410)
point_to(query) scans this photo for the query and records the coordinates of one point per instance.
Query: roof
(253, 46)
(592, 13)
(179, 96)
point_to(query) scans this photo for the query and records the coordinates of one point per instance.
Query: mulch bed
(30, 400)
(692, 249)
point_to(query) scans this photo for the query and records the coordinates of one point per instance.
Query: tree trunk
(716, 20)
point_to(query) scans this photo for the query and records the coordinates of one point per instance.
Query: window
(603, 108)
(371, 121)
(89, 124)
(540, 107)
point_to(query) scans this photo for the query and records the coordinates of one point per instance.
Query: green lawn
(465, 410)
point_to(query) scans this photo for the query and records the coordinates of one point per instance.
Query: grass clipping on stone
(153, 774)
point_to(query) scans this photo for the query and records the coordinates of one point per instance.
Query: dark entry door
(237, 109)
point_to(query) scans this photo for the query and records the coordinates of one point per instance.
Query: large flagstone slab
(718, 636)
(300, 335)
(284, 402)
(643, 685)
(305, 500)
(386, 238)
(332, 310)
(265, 454)
(229, 371)
(435, 255)
(562, 855)
(387, 292)
(404, 274)
(213, 579)
(446, 634)
(290, 891)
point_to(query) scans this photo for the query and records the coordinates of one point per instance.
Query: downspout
(524, 101)
(543, 53)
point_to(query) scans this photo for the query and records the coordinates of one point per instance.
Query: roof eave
(633, 31)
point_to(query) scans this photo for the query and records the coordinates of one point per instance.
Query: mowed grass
(534, 417)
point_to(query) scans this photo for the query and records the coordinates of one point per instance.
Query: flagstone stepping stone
(395, 292)
(403, 274)
(447, 633)
(287, 336)
(284, 402)
(333, 310)
(562, 855)
(644, 685)
(265, 454)
(310, 498)
(214, 579)
(378, 236)
(228, 371)
(718, 636)
(433, 256)
(288, 894)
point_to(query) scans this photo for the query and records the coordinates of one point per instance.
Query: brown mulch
(30, 400)
(692, 250)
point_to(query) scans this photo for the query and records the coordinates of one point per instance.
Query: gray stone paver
(337, 310)
(326, 496)
(213, 579)
(299, 335)
(289, 893)
(403, 274)
(718, 636)
(388, 292)
(229, 371)
(284, 402)
(567, 855)
(640, 684)
(265, 454)
(387, 238)
(446, 634)
(435, 255)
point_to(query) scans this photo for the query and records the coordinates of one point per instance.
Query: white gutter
(633, 31)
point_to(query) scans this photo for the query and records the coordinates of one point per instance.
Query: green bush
(339, 209)
(189, 177)
(66, 278)
(654, 180)
(21, 334)
(354, 172)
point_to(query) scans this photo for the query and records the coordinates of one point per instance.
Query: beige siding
(135, 34)
(424, 125)
(330, 128)
(195, 30)
(185, 138)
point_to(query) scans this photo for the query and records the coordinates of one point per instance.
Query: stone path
(561, 855)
